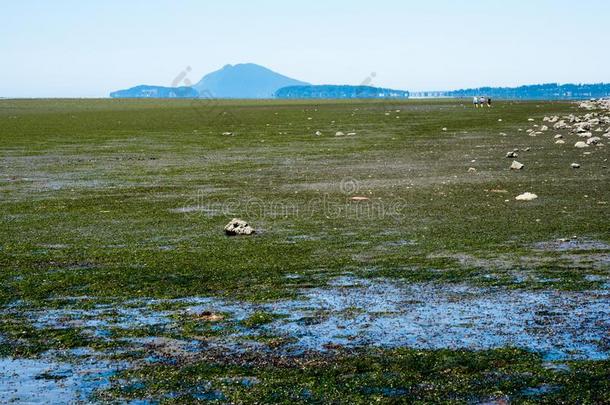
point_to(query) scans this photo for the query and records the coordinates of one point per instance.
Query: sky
(70, 48)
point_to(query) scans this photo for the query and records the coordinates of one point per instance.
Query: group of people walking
(481, 102)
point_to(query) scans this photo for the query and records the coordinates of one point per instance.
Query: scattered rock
(516, 165)
(472, 170)
(512, 155)
(318, 133)
(581, 145)
(575, 166)
(526, 197)
(339, 133)
(560, 142)
(558, 136)
(238, 227)
(359, 199)
(227, 133)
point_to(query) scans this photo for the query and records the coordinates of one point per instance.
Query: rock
(339, 133)
(527, 149)
(558, 136)
(585, 135)
(444, 129)
(516, 165)
(544, 128)
(531, 119)
(575, 166)
(560, 142)
(512, 155)
(351, 133)
(359, 199)
(526, 197)
(318, 133)
(581, 145)
(582, 127)
(561, 125)
(227, 133)
(472, 170)
(594, 141)
(238, 227)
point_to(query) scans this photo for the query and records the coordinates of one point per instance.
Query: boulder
(516, 165)
(526, 197)
(238, 227)
(594, 141)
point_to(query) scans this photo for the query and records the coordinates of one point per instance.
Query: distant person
(475, 101)
(482, 101)
(488, 102)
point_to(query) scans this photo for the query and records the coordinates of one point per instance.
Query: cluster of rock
(587, 130)
(590, 129)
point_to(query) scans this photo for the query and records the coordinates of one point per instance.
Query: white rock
(575, 166)
(526, 197)
(318, 133)
(560, 142)
(594, 141)
(238, 227)
(227, 133)
(516, 165)
(581, 145)
(472, 170)
(445, 129)
(339, 133)
(512, 155)
(558, 136)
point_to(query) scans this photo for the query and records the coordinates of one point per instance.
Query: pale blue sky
(70, 48)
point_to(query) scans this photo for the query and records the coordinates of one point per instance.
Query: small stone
(318, 133)
(512, 155)
(526, 197)
(472, 170)
(516, 165)
(227, 133)
(445, 129)
(581, 145)
(558, 136)
(339, 133)
(560, 142)
(359, 199)
(238, 227)
(575, 166)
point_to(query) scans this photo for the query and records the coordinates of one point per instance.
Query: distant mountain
(246, 80)
(549, 91)
(156, 92)
(332, 91)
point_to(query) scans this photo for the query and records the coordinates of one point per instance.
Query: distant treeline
(341, 92)
(550, 91)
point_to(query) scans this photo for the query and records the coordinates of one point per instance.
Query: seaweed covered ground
(391, 263)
